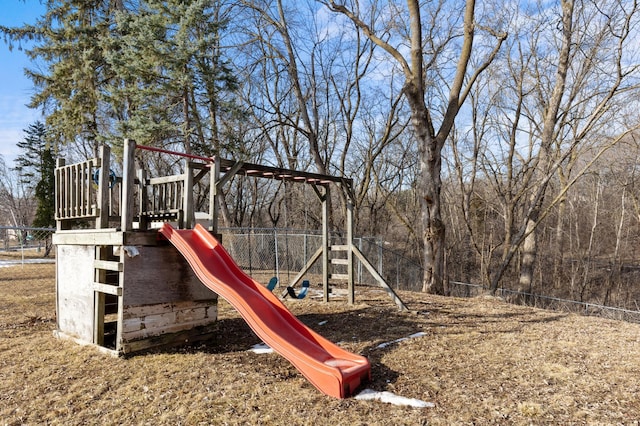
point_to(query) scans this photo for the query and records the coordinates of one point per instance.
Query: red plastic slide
(331, 369)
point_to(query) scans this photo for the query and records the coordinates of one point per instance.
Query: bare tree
(310, 91)
(423, 43)
(17, 201)
(593, 46)
(541, 119)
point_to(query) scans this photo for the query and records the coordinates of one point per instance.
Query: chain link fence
(16, 238)
(400, 272)
(282, 253)
(459, 289)
(20, 245)
(266, 252)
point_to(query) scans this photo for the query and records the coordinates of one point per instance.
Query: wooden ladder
(107, 286)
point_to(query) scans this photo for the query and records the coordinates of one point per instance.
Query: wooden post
(120, 317)
(128, 175)
(214, 176)
(187, 197)
(60, 196)
(350, 284)
(143, 199)
(102, 199)
(325, 243)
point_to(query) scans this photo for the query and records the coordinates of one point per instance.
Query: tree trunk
(429, 188)
(529, 251)
(430, 143)
(433, 228)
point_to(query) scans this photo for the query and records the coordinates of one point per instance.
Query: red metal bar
(181, 154)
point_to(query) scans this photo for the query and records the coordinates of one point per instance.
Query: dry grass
(481, 362)
(30, 253)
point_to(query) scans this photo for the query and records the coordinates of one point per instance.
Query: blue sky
(15, 88)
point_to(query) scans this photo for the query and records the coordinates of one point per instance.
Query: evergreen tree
(151, 70)
(71, 68)
(36, 168)
(172, 83)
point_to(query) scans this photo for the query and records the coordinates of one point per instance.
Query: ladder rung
(108, 265)
(340, 247)
(339, 261)
(340, 276)
(107, 289)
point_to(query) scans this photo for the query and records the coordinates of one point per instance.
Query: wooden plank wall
(159, 274)
(74, 293)
(163, 302)
(141, 322)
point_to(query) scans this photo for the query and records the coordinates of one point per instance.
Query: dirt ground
(480, 361)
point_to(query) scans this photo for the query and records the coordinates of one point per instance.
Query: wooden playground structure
(121, 287)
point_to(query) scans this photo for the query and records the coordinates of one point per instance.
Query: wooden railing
(84, 192)
(82, 189)
(75, 192)
(162, 199)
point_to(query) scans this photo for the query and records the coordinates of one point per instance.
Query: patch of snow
(391, 398)
(323, 322)
(7, 263)
(413, 336)
(261, 348)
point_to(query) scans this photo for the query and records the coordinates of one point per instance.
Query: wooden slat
(339, 247)
(67, 192)
(108, 265)
(75, 193)
(107, 289)
(166, 179)
(339, 261)
(91, 237)
(169, 339)
(82, 201)
(340, 276)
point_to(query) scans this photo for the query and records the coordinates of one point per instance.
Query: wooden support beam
(380, 279)
(350, 284)
(128, 177)
(143, 200)
(233, 170)
(213, 196)
(102, 219)
(187, 196)
(203, 171)
(325, 244)
(99, 298)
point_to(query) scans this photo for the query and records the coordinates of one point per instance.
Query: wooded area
(494, 143)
